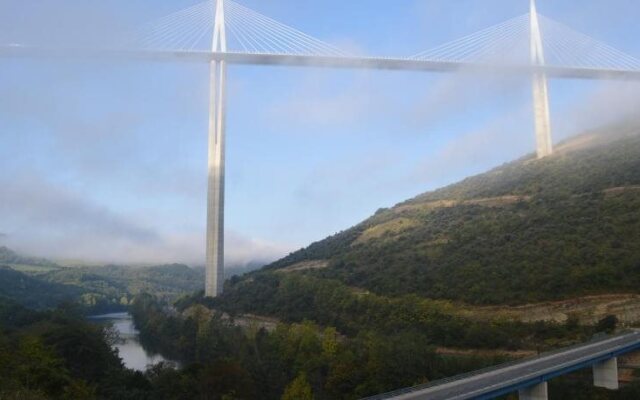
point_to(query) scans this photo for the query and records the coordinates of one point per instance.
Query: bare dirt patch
(500, 201)
(393, 227)
(448, 351)
(306, 265)
(622, 189)
(588, 310)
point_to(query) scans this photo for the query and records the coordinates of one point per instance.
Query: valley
(529, 257)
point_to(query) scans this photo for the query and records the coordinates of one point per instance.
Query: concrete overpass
(529, 377)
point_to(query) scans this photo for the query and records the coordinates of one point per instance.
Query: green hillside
(42, 284)
(369, 310)
(119, 284)
(24, 263)
(528, 231)
(32, 292)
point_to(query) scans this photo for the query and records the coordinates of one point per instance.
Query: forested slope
(41, 284)
(33, 292)
(528, 231)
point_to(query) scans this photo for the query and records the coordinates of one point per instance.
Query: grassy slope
(527, 231)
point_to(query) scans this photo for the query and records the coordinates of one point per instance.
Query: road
(518, 375)
(346, 62)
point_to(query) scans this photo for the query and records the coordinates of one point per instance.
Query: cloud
(606, 104)
(47, 220)
(504, 138)
(477, 150)
(43, 216)
(325, 100)
(68, 23)
(344, 178)
(118, 145)
(467, 91)
(241, 250)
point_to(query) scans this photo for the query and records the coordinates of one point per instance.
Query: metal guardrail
(594, 340)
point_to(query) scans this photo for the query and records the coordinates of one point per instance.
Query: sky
(106, 161)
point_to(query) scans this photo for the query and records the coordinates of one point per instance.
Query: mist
(105, 161)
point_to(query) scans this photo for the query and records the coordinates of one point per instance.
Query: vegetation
(294, 359)
(40, 283)
(33, 292)
(371, 309)
(300, 297)
(97, 289)
(111, 288)
(306, 361)
(529, 231)
(56, 355)
(9, 257)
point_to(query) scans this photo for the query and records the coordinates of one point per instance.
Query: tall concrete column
(537, 392)
(541, 111)
(605, 374)
(214, 278)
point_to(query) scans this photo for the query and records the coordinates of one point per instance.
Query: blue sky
(107, 161)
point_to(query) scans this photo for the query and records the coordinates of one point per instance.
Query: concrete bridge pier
(214, 277)
(605, 374)
(537, 392)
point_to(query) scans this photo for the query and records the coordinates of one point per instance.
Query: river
(133, 354)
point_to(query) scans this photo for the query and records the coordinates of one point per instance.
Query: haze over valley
(230, 200)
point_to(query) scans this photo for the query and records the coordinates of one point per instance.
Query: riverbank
(133, 354)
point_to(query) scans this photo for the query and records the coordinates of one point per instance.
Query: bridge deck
(349, 62)
(509, 378)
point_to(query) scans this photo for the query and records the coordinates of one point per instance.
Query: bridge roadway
(347, 62)
(502, 380)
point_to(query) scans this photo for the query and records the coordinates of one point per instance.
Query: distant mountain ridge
(41, 284)
(35, 293)
(8, 256)
(530, 230)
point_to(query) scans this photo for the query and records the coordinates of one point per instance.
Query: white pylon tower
(214, 277)
(540, 89)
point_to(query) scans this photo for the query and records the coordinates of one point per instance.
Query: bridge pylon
(214, 276)
(541, 113)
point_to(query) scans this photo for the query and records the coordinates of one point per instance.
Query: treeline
(295, 361)
(98, 290)
(32, 292)
(296, 297)
(57, 355)
(304, 361)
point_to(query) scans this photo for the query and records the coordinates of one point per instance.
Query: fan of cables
(247, 31)
(509, 43)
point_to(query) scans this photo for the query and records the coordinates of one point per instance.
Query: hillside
(32, 292)
(527, 231)
(24, 263)
(41, 284)
(370, 309)
(119, 284)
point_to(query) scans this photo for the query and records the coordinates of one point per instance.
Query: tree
(330, 343)
(607, 324)
(298, 389)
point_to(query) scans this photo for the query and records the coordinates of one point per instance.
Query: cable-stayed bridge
(223, 32)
